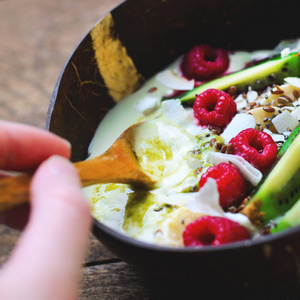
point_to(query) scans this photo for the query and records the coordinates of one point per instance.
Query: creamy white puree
(167, 147)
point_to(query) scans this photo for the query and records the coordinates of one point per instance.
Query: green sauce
(137, 205)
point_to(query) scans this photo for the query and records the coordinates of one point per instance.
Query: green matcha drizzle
(137, 205)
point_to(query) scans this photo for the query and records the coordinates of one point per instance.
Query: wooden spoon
(117, 165)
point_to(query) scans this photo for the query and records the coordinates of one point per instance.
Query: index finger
(23, 147)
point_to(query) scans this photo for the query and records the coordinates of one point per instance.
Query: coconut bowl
(133, 42)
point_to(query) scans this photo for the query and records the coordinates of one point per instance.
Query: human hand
(46, 261)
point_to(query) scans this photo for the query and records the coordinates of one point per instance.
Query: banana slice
(283, 95)
(174, 227)
(263, 117)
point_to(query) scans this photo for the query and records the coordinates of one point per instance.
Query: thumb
(49, 254)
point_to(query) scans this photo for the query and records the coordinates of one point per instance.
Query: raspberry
(215, 108)
(213, 231)
(203, 62)
(257, 147)
(231, 185)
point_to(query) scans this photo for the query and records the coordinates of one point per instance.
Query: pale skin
(47, 259)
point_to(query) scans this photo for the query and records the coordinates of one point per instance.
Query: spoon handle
(14, 191)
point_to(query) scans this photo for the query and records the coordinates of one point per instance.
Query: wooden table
(37, 38)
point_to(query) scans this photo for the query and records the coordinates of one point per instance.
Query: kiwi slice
(257, 77)
(279, 191)
(289, 141)
(290, 219)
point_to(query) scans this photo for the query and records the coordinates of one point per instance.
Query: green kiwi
(257, 77)
(289, 141)
(290, 219)
(279, 191)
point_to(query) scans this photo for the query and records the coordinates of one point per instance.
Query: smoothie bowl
(138, 64)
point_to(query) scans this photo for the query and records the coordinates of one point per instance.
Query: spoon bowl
(116, 165)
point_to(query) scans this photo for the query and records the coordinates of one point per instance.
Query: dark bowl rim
(260, 241)
(58, 81)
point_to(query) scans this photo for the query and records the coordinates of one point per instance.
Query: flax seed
(198, 171)
(218, 146)
(282, 100)
(269, 109)
(212, 142)
(229, 149)
(232, 90)
(223, 149)
(296, 94)
(286, 97)
(278, 90)
(152, 90)
(216, 131)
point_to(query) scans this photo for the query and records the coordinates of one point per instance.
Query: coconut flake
(295, 81)
(241, 102)
(262, 54)
(275, 136)
(247, 171)
(238, 123)
(285, 52)
(174, 81)
(238, 61)
(206, 201)
(252, 96)
(296, 114)
(293, 44)
(284, 121)
(147, 105)
(174, 111)
(296, 103)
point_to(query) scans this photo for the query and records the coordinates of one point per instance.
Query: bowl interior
(154, 33)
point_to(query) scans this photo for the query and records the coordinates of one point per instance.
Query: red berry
(203, 62)
(231, 185)
(214, 107)
(213, 231)
(257, 147)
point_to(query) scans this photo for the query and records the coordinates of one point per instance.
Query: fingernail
(67, 142)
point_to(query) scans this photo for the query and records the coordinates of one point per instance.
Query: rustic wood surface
(37, 38)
